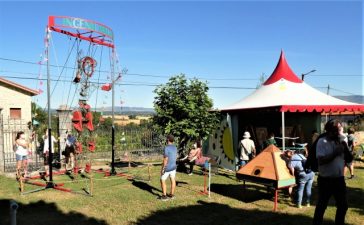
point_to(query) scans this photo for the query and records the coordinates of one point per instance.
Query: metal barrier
(8, 130)
(137, 143)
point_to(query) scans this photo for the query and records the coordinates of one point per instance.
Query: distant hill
(352, 98)
(126, 110)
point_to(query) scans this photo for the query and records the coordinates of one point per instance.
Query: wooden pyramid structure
(267, 168)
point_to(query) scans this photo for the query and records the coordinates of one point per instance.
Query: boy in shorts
(169, 168)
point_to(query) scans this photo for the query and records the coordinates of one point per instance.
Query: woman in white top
(21, 153)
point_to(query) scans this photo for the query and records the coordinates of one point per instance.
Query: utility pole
(304, 74)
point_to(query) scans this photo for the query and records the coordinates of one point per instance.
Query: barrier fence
(133, 144)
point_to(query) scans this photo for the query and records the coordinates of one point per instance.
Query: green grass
(121, 201)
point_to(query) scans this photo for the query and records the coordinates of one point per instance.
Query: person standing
(46, 149)
(21, 154)
(168, 169)
(304, 179)
(70, 151)
(247, 149)
(351, 144)
(331, 154)
(270, 141)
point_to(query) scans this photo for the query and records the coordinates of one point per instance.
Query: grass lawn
(117, 200)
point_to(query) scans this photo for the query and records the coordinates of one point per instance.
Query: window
(15, 113)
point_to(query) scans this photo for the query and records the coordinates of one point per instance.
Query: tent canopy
(285, 91)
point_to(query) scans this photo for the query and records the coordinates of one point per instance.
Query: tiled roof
(31, 92)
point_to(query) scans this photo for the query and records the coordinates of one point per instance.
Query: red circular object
(88, 66)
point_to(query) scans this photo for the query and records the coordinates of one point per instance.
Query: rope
(60, 74)
(64, 66)
(74, 70)
(98, 80)
(76, 88)
(66, 69)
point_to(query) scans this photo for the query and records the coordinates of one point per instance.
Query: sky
(229, 45)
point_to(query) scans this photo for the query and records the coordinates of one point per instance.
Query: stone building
(15, 101)
(15, 115)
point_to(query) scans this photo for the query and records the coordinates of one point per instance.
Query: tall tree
(184, 109)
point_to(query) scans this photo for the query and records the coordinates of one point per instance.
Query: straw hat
(246, 134)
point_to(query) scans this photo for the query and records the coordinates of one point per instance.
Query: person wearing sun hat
(247, 149)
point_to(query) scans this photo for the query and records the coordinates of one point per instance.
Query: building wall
(14, 98)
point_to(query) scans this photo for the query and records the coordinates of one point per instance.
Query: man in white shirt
(247, 149)
(46, 148)
(331, 153)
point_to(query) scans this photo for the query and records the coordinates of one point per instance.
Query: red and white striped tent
(284, 92)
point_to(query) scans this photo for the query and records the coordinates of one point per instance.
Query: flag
(106, 87)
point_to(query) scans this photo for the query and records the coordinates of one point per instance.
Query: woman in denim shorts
(21, 153)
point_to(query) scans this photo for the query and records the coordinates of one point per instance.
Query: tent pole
(113, 172)
(283, 133)
(50, 150)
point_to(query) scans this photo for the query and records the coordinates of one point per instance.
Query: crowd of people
(23, 151)
(333, 151)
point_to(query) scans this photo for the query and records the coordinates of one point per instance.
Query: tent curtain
(321, 108)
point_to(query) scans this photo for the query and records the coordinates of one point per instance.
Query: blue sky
(227, 44)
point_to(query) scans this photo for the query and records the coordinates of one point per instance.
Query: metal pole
(209, 179)
(283, 133)
(112, 150)
(112, 113)
(13, 208)
(304, 74)
(59, 139)
(50, 158)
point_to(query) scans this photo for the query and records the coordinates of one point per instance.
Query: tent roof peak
(282, 71)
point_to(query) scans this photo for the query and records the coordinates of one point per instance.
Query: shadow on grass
(359, 166)
(252, 192)
(217, 214)
(123, 164)
(230, 176)
(42, 213)
(146, 187)
(180, 183)
(355, 195)
(356, 199)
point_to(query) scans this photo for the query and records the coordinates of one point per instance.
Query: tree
(39, 119)
(261, 80)
(184, 109)
(107, 123)
(39, 114)
(132, 117)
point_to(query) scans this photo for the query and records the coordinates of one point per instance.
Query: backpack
(303, 162)
(312, 162)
